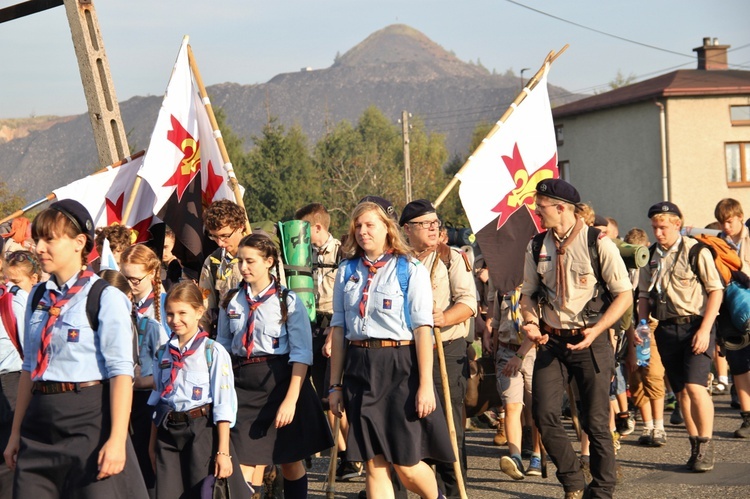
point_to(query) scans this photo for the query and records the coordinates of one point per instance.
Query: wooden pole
(331, 484)
(219, 139)
(133, 192)
(521, 96)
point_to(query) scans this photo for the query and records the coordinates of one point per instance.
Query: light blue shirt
(77, 353)
(151, 336)
(10, 360)
(151, 313)
(195, 385)
(384, 316)
(270, 337)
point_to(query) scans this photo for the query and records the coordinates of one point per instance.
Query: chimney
(711, 55)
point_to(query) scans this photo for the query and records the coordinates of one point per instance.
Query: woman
(382, 305)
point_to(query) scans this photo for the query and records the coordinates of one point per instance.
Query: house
(683, 136)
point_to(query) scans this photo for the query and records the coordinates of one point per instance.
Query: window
(564, 168)
(738, 156)
(740, 115)
(559, 134)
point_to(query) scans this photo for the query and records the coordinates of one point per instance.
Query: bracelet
(336, 385)
(335, 389)
(223, 454)
(528, 323)
(520, 356)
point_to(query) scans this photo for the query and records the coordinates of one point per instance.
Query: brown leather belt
(563, 333)
(239, 361)
(381, 343)
(53, 387)
(509, 346)
(681, 320)
(184, 417)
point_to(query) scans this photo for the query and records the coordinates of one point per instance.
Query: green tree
(10, 201)
(621, 80)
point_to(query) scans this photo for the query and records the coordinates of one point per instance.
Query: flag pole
(51, 195)
(217, 135)
(519, 98)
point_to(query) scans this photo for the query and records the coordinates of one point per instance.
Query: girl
(387, 385)
(195, 404)
(140, 265)
(21, 269)
(267, 329)
(70, 429)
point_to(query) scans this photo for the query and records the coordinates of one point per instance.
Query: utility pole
(407, 166)
(104, 110)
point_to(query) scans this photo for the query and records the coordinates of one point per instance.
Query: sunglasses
(23, 256)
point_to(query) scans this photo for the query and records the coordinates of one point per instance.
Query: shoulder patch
(602, 235)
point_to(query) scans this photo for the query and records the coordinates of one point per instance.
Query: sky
(249, 41)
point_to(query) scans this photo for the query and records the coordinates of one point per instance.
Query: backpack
(9, 317)
(92, 301)
(727, 260)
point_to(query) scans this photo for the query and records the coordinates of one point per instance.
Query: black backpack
(92, 300)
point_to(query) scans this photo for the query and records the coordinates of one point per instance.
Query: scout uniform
(219, 274)
(739, 360)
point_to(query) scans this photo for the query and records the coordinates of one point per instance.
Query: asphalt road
(647, 472)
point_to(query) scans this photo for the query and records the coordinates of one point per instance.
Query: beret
(79, 216)
(415, 209)
(557, 188)
(384, 204)
(600, 221)
(664, 207)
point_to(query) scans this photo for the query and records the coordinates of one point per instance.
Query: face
(666, 231)
(371, 233)
(549, 210)
(17, 277)
(253, 267)
(318, 235)
(732, 226)
(227, 238)
(60, 255)
(167, 255)
(141, 281)
(182, 318)
(421, 237)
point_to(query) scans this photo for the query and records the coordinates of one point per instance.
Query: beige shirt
(677, 291)
(583, 300)
(325, 277)
(502, 322)
(452, 287)
(744, 249)
(215, 283)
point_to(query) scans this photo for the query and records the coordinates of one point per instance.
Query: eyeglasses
(23, 256)
(547, 205)
(136, 281)
(221, 237)
(431, 224)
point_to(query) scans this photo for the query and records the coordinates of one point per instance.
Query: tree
(10, 201)
(621, 80)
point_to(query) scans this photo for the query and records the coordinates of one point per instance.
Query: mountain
(397, 68)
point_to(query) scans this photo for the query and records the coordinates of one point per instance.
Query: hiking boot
(500, 438)
(704, 461)
(348, 470)
(693, 452)
(575, 494)
(624, 423)
(527, 443)
(535, 467)
(676, 417)
(512, 467)
(647, 437)
(744, 430)
(670, 402)
(273, 483)
(659, 438)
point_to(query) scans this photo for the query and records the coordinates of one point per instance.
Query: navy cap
(600, 221)
(79, 215)
(557, 188)
(415, 209)
(664, 207)
(384, 204)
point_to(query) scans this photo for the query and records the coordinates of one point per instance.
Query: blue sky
(249, 41)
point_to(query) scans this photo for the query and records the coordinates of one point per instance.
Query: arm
(531, 321)
(22, 403)
(702, 337)
(425, 400)
(633, 339)
(338, 353)
(514, 364)
(463, 294)
(223, 467)
(286, 411)
(111, 459)
(618, 307)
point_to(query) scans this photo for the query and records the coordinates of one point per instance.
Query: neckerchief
(372, 268)
(247, 341)
(178, 358)
(144, 306)
(560, 285)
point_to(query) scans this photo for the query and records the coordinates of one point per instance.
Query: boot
(744, 430)
(500, 438)
(693, 452)
(705, 458)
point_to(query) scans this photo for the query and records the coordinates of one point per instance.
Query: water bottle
(643, 351)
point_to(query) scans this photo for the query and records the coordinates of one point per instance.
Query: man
(686, 306)
(563, 305)
(455, 302)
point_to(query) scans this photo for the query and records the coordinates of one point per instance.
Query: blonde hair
(139, 254)
(393, 240)
(586, 212)
(669, 217)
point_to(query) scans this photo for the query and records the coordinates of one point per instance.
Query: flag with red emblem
(499, 181)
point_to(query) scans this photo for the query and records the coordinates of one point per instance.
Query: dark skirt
(61, 436)
(380, 389)
(260, 389)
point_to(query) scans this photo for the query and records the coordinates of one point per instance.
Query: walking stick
(574, 412)
(331, 482)
(543, 453)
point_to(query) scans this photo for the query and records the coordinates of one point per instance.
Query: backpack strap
(596, 264)
(8, 317)
(536, 245)
(209, 353)
(37, 296)
(693, 253)
(93, 302)
(402, 271)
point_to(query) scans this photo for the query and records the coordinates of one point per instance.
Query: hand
(483, 275)
(11, 451)
(223, 466)
(425, 401)
(111, 459)
(512, 367)
(336, 403)
(327, 345)
(630, 361)
(285, 414)
(534, 334)
(701, 339)
(137, 371)
(637, 340)
(487, 343)
(589, 335)
(438, 319)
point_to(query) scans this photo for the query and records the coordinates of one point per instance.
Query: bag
(215, 488)
(727, 260)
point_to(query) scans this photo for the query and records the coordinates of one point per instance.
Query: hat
(79, 215)
(664, 207)
(557, 188)
(416, 209)
(600, 221)
(386, 205)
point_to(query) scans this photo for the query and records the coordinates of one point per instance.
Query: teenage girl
(70, 430)
(267, 329)
(195, 404)
(140, 265)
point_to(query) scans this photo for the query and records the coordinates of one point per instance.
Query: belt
(53, 387)
(381, 343)
(184, 417)
(509, 346)
(563, 333)
(239, 361)
(682, 320)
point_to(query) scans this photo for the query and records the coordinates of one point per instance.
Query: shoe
(535, 467)
(500, 438)
(735, 403)
(348, 470)
(719, 388)
(744, 430)
(710, 384)
(693, 452)
(624, 423)
(659, 438)
(669, 403)
(647, 437)
(527, 444)
(512, 467)
(273, 483)
(362, 494)
(586, 468)
(490, 418)
(576, 494)
(616, 441)
(676, 417)
(704, 461)
(471, 425)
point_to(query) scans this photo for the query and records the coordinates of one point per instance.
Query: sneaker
(490, 418)
(670, 402)
(704, 461)
(676, 417)
(659, 438)
(535, 467)
(710, 384)
(647, 437)
(624, 423)
(348, 470)
(719, 388)
(512, 467)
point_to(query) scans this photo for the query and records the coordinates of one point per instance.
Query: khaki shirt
(502, 322)
(676, 289)
(325, 277)
(450, 287)
(215, 283)
(743, 250)
(580, 280)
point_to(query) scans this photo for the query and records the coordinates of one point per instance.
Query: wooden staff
(331, 483)
(529, 86)
(447, 397)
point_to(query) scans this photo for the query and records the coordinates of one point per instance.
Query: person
(267, 329)
(70, 430)
(386, 365)
(140, 266)
(119, 238)
(729, 214)
(171, 268)
(686, 306)
(564, 313)
(21, 270)
(195, 404)
(454, 303)
(225, 223)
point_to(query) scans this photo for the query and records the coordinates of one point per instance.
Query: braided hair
(267, 248)
(140, 254)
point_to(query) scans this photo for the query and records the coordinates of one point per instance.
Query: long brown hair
(393, 240)
(51, 223)
(186, 292)
(139, 254)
